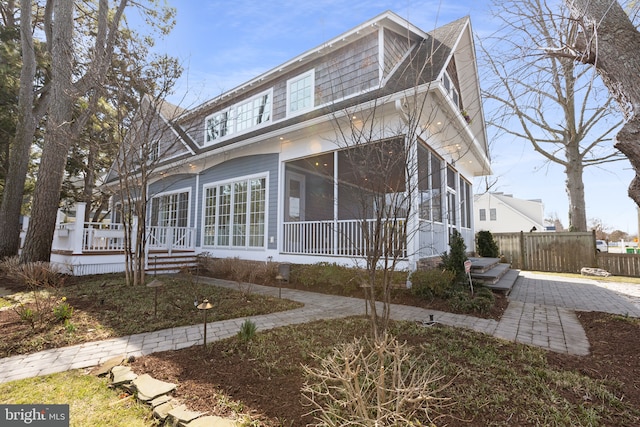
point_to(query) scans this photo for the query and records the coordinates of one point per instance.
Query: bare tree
(605, 37)
(147, 138)
(551, 102)
(390, 178)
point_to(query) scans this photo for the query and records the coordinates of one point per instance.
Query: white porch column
(78, 230)
(60, 217)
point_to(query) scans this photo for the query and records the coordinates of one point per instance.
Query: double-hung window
(235, 213)
(300, 92)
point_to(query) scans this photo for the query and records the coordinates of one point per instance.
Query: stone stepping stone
(122, 374)
(160, 400)
(162, 411)
(106, 367)
(149, 388)
(211, 421)
(183, 415)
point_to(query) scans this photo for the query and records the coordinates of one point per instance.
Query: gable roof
(425, 60)
(521, 207)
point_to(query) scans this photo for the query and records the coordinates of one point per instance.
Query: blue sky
(222, 44)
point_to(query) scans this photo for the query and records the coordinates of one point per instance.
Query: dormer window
(300, 93)
(253, 112)
(239, 118)
(217, 126)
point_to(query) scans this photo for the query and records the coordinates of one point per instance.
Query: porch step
(493, 274)
(506, 282)
(164, 263)
(481, 265)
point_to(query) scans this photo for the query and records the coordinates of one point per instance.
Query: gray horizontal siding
(240, 167)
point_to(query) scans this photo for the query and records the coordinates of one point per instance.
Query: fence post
(522, 255)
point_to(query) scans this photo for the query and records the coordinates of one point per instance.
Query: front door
(294, 207)
(294, 204)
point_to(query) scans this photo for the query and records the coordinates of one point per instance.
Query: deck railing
(342, 237)
(99, 237)
(102, 237)
(171, 238)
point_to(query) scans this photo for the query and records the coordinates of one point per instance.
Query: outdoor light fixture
(279, 278)
(155, 284)
(205, 306)
(367, 288)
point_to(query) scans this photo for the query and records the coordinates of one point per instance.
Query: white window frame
(450, 89)
(493, 214)
(229, 129)
(170, 193)
(311, 73)
(231, 214)
(233, 115)
(154, 150)
(252, 109)
(483, 214)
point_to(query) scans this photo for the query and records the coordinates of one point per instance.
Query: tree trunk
(611, 43)
(575, 191)
(19, 154)
(57, 138)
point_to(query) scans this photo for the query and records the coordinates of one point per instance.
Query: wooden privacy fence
(620, 264)
(548, 251)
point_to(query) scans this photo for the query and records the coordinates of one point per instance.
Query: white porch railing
(102, 237)
(342, 238)
(171, 238)
(99, 237)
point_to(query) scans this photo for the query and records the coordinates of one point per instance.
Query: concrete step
(482, 265)
(492, 275)
(506, 282)
(165, 263)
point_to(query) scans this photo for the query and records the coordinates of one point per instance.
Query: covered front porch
(82, 248)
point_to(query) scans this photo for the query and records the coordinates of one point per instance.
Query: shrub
(366, 383)
(486, 244)
(431, 283)
(481, 302)
(44, 281)
(325, 274)
(239, 270)
(457, 255)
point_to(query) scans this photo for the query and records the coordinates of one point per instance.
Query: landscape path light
(205, 306)
(155, 284)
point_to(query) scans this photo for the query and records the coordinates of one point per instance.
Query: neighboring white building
(503, 213)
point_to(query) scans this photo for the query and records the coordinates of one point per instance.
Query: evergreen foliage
(457, 255)
(486, 244)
